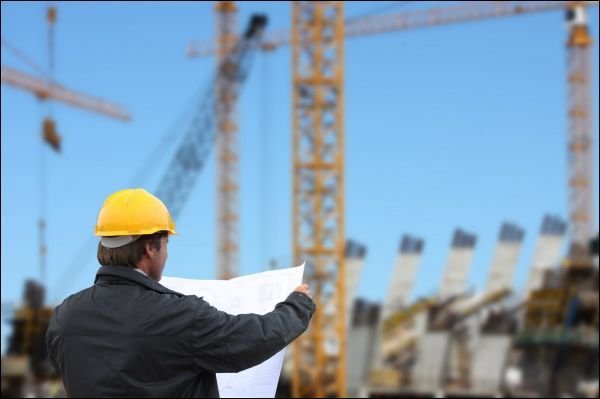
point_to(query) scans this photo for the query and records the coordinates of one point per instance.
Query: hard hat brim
(118, 241)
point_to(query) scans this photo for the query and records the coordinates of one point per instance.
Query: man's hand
(303, 288)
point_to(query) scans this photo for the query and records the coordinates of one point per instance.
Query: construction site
(448, 323)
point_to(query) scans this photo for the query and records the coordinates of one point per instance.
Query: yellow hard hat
(133, 212)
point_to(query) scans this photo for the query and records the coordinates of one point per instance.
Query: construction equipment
(310, 100)
(189, 159)
(358, 27)
(581, 135)
(318, 191)
(408, 20)
(47, 90)
(373, 25)
(227, 149)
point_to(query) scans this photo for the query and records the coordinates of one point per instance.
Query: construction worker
(127, 335)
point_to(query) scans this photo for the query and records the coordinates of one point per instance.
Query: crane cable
(20, 55)
(50, 18)
(378, 10)
(264, 126)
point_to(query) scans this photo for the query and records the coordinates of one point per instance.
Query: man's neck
(141, 271)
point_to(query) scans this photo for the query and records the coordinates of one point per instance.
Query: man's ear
(148, 249)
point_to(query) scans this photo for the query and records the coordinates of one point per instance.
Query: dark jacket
(128, 336)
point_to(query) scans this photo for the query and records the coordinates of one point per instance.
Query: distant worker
(127, 335)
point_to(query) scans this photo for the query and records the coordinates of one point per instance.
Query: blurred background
(435, 163)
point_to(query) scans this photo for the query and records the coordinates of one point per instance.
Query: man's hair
(130, 254)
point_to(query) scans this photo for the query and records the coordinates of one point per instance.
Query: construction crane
(318, 191)
(581, 136)
(48, 89)
(227, 142)
(319, 25)
(192, 153)
(227, 150)
(408, 20)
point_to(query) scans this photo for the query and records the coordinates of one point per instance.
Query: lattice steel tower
(318, 192)
(580, 112)
(227, 158)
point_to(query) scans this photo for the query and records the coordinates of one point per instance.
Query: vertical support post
(227, 149)
(318, 192)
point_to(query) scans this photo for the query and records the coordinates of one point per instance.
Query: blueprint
(255, 293)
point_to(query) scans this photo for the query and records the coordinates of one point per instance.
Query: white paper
(255, 293)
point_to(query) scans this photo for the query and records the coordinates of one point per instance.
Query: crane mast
(318, 192)
(580, 135)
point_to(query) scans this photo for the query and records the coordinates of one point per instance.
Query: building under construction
(542, 344)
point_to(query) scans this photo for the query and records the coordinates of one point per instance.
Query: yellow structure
(581, 135)
(318, 192)
(227, 148)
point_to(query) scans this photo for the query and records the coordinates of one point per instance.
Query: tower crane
(581, 135)
(227, 165)
(318, 29)
(47, 89)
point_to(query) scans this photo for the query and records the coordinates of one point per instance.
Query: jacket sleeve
(224, 343)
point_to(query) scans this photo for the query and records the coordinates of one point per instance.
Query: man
(128, 336)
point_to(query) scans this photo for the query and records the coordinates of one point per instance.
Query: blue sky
(455, 126)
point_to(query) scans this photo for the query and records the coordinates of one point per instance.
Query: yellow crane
(581, 135)
(317, 39)
(227, 150)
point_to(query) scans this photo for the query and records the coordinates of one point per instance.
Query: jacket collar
(127, 273)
